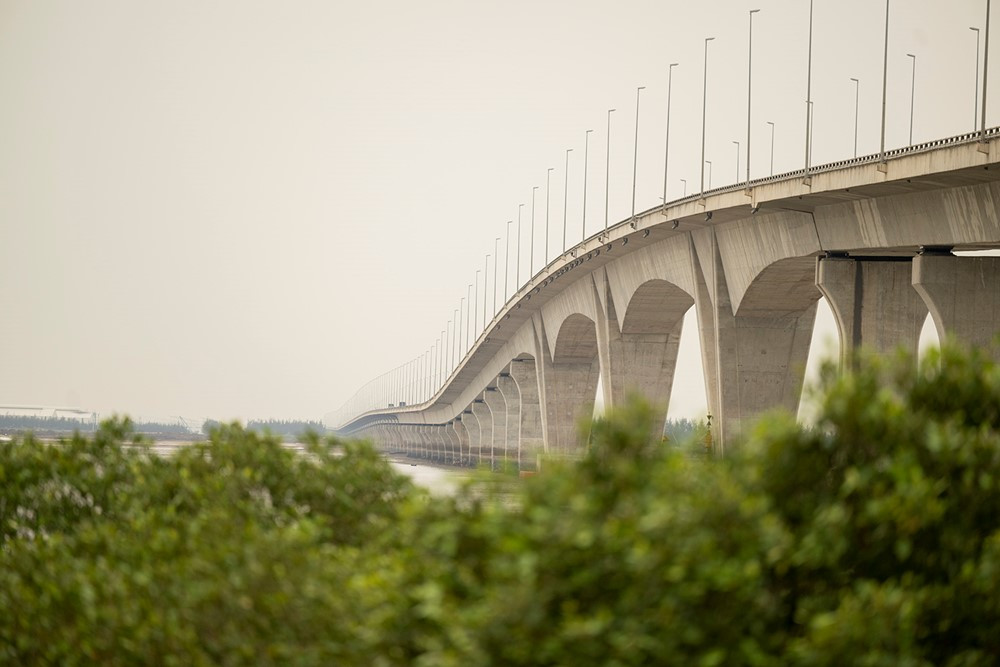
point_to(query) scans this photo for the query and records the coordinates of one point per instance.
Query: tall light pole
(486, 284)
(885, 74)
(565, 196)
(857, 94)
(496, 263)
(607, 173)
(975, 106)
(460, 331)
(704, 100)
(709, 163)
(506, 263)
(684, 181)
(772, 146)
(475, 308)
(986, 74)
(586, 151)
(749, 88)
(548, 182)
(517, 272)
(666, 146)
(635, 149)
(470, 326)
(809, 89)
(531, 259)
(737, 162)
(913, 87)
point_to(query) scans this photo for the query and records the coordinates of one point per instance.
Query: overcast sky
(240, 208)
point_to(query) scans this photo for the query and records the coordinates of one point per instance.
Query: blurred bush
(872, 538)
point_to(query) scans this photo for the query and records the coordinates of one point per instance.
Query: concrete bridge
(874, 236)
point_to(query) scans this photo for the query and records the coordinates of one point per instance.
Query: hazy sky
(240, 208)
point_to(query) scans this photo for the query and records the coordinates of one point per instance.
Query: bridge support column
(485, 418)
(962, 295)
(755, 359)
(512, 426)
(570, 387)
(437, 443)
(873, 302)
(470, 447)
(530, 441)
(461, 451)
(641, 361)
(498, 410)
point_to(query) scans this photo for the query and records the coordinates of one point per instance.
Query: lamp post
(737, 162)
(565, 196)
(496, 259)
(986, 74)
(486, 283)
(709, 163)
(517, 271)
(469, 318)
(885, 73)
(586, 152)
(684, 181)
(749, 98)
(975, 106)
(857, 92)
(809, 89)
(666, 146)
(704, 100)
(506, 263)
(531, 259)
(607, 173)
(913, 87)
(772, 146)
(460, 331)
(635, 149)
(548, 181)
(475, 309)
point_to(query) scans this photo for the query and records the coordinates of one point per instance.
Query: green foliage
(871, 539)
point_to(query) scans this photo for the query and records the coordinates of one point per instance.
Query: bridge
(877, 239)
(880, 237)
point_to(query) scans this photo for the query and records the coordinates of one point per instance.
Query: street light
(986, 75)
(704, 100)
(975, 108)
(635, 149)
(913, 86)
(548, 180)
(885, 74)
(737, 161)
(496, 260)
(486, 284)
(506, 263)
(666, 147)
(607, 173)
(566, 196)
(709, 163)
(809, 88)
(517, 271)
(460, 331)
(586, 150)
(772, 146)
(475, 309)
(857, 90)
(531, 260)
(468, 319)
(749, 98)
(685, 186)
